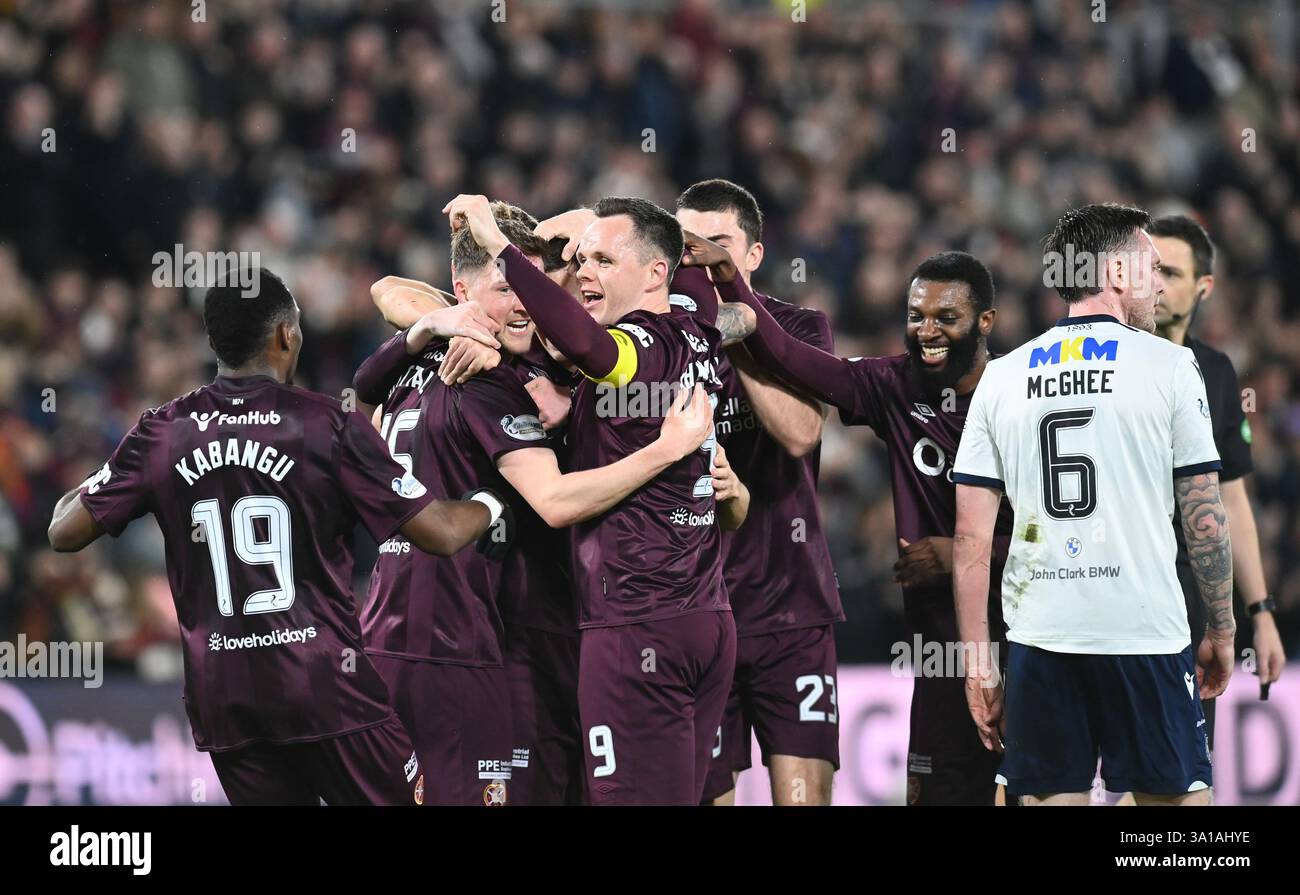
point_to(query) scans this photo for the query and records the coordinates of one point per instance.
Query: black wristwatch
(1265, 605)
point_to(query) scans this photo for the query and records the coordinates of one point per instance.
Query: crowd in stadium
(872, 135)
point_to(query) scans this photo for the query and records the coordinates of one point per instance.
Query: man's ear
(754, 257)
(1204, 287)
(658, 274)
(986, 321)
(460, 291)
(284, 336)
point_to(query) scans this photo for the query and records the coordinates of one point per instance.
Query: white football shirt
(1085, 429)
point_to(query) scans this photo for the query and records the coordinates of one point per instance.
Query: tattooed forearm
(736, 320)
(1205, 527)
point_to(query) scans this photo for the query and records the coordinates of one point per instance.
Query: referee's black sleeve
(1231, 428)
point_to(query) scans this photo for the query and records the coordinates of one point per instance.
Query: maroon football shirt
(257, 487)
(658, 553)
(435, 608)
(777, 566)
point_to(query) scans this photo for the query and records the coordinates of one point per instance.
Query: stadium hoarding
(129, 743)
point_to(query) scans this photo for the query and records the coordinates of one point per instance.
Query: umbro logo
(923, 412)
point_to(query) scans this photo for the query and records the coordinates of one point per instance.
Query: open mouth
(520, 326)
(935, 354)
(591, 299)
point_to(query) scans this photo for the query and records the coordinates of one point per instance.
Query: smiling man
(436, 630)
(917, 403)
(658, 641)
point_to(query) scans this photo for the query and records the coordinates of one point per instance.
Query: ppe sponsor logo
(412, 766)
(494, 769)
(218, 642)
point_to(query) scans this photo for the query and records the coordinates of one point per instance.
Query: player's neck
(1106, 303)
(260, 368)
(655, 302)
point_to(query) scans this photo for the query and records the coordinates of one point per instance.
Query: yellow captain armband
(625, 367)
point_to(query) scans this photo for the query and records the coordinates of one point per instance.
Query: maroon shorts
(784, 692)
(375, 766)
(651, 697)
(542, 668)
(946, 762)
(459, 719)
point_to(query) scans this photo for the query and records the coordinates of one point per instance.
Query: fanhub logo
(252, 418)
(218, 642)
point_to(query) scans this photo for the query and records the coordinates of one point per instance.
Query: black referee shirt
(1232, 438)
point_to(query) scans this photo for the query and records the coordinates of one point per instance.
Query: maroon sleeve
(560, 317)
(501, 415)
(695, 284)
(384, 494)
(121, 490)
(818, 373)
(808, 325)
(380, 372)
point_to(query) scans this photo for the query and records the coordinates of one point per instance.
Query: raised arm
(595, 350)
(402, 302)
(815, 372)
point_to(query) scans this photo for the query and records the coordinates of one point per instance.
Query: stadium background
(327, 134)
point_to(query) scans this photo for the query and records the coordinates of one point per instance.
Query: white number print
(405, 422)
(704, 484)
(601, 740)
(815, 685)
(276, 551)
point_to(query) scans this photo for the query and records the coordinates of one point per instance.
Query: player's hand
(553, 401)
(1269, 655)
(926, 563)
(475, 212)
(570, 225)
(466, 319)
(984, 699)
(1214, 660)
(495, 542)
(701, 252)
(688, 423)
(465, 359)
(726, 484)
